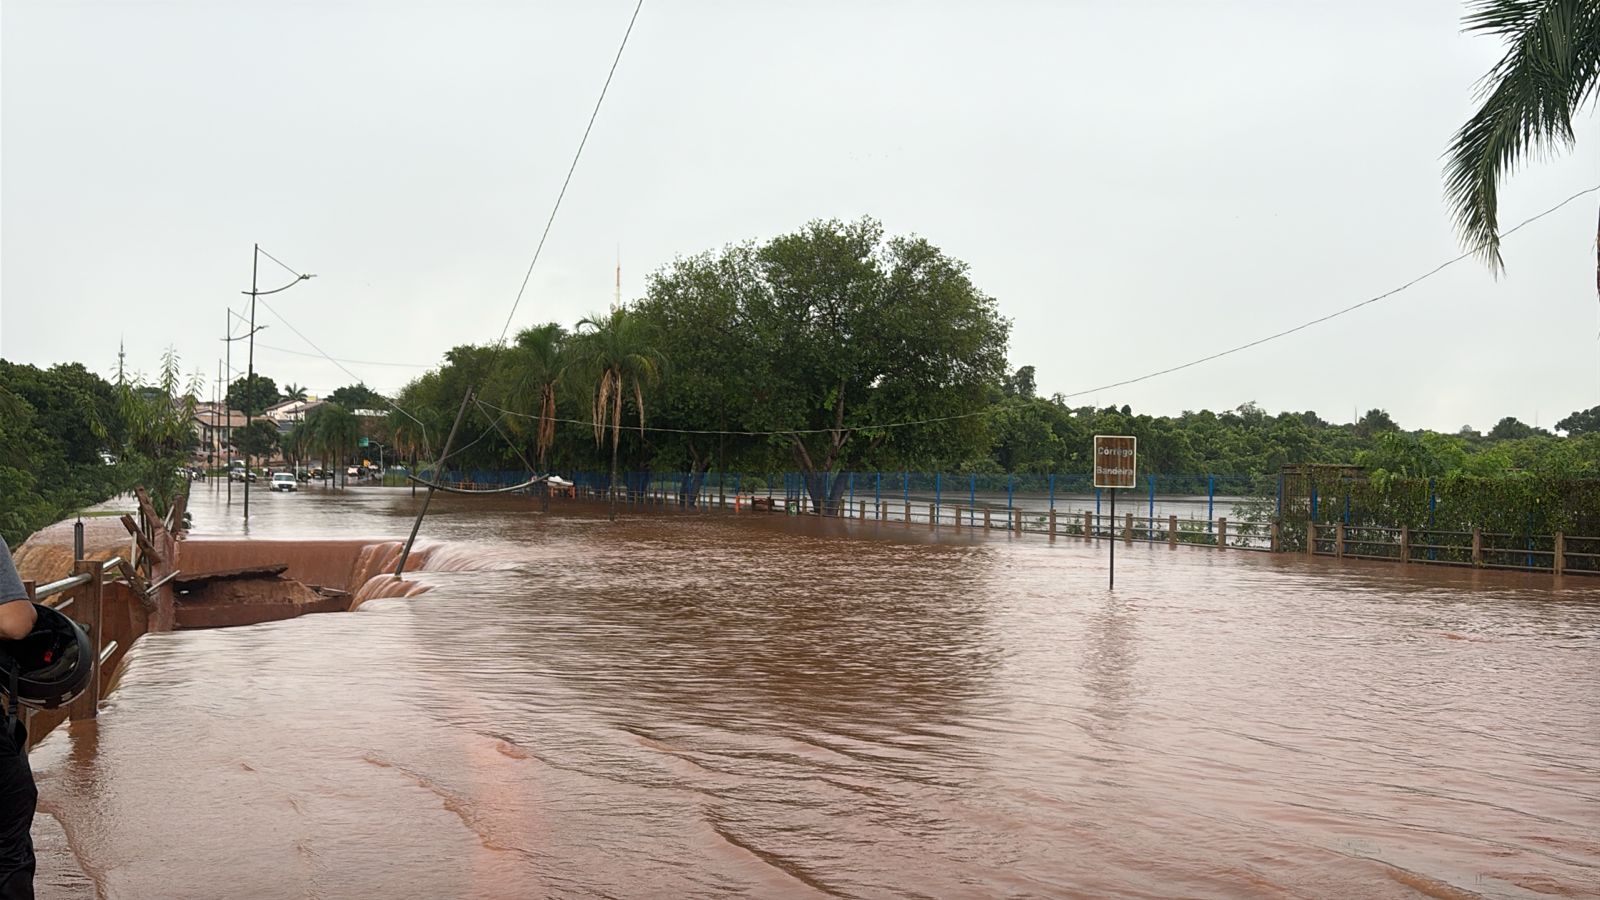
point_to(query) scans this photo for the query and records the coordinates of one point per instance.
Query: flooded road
(677, 706)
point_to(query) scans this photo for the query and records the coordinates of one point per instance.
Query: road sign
(1116, 460)
(363, 442)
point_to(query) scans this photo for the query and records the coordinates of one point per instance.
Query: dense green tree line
(69, 439)
(800, 353)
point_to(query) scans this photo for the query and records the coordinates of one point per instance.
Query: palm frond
(1529, 99)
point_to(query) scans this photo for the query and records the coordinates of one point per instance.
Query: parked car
(284, 481)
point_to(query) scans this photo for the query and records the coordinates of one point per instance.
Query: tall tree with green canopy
(1583, 421)
(867, 331)
(1549, 71)
(252, 394)
(258, 440)
(618, 355)
(357, 396)
(292, 391)
(698, 308)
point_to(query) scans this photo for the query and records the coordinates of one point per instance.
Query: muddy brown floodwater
(704, 706)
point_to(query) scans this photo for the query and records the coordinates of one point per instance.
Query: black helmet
(50, 666)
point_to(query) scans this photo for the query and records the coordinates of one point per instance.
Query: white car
(284, 481)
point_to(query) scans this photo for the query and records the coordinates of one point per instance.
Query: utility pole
(250, 374)
(250, 366)
(227, 340)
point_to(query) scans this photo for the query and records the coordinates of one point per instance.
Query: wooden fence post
(863, 512)
(1017, 527)
(1127, 529)
(1477, 547)
(908, 515)
(87, 704)
(1311, 538)
(1222, 533)
(1274, 545)
(933, 515)
(1559, 560)
(986, 518)
(1338, 540)
(1405, 543)
(1088, 525)
(1172, 531)
(1052, 524)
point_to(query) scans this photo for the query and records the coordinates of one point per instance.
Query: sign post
(1115, 466)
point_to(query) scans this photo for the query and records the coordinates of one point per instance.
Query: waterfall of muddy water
(678, 706)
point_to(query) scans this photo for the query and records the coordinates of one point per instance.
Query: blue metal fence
(1188, 496)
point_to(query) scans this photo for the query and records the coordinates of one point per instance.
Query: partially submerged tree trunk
(823, 492)
(615, 436)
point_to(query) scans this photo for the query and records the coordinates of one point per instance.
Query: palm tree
(293, 391)
(533, 372)
(1529, 99)
(334, 430)
(159, 430)
(529, 379)
(617, 352)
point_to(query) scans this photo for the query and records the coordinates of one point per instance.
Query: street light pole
(250, 372)
(227, 440)
(227, 341)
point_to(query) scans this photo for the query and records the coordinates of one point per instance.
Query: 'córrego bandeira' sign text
(1115, 461)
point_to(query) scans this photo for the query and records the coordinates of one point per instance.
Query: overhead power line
(287, 268)
(570, 169)
(1333, 315)
(290, 325)
(356, 362)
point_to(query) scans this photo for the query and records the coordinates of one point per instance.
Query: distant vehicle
(284, 481)
(238, 473)
(302, 475)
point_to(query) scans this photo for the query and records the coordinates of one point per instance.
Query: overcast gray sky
(1137, 184)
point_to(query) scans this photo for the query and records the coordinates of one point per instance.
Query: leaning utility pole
(427, 498)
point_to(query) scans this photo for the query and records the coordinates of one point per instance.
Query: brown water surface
(704, 706)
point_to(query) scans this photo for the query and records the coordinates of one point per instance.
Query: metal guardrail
(1533, 553)
(44, 591)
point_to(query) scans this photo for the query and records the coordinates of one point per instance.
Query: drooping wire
(358, 362)
(538, 249)
(570, 169)
(1333, 315)
(392, 405)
